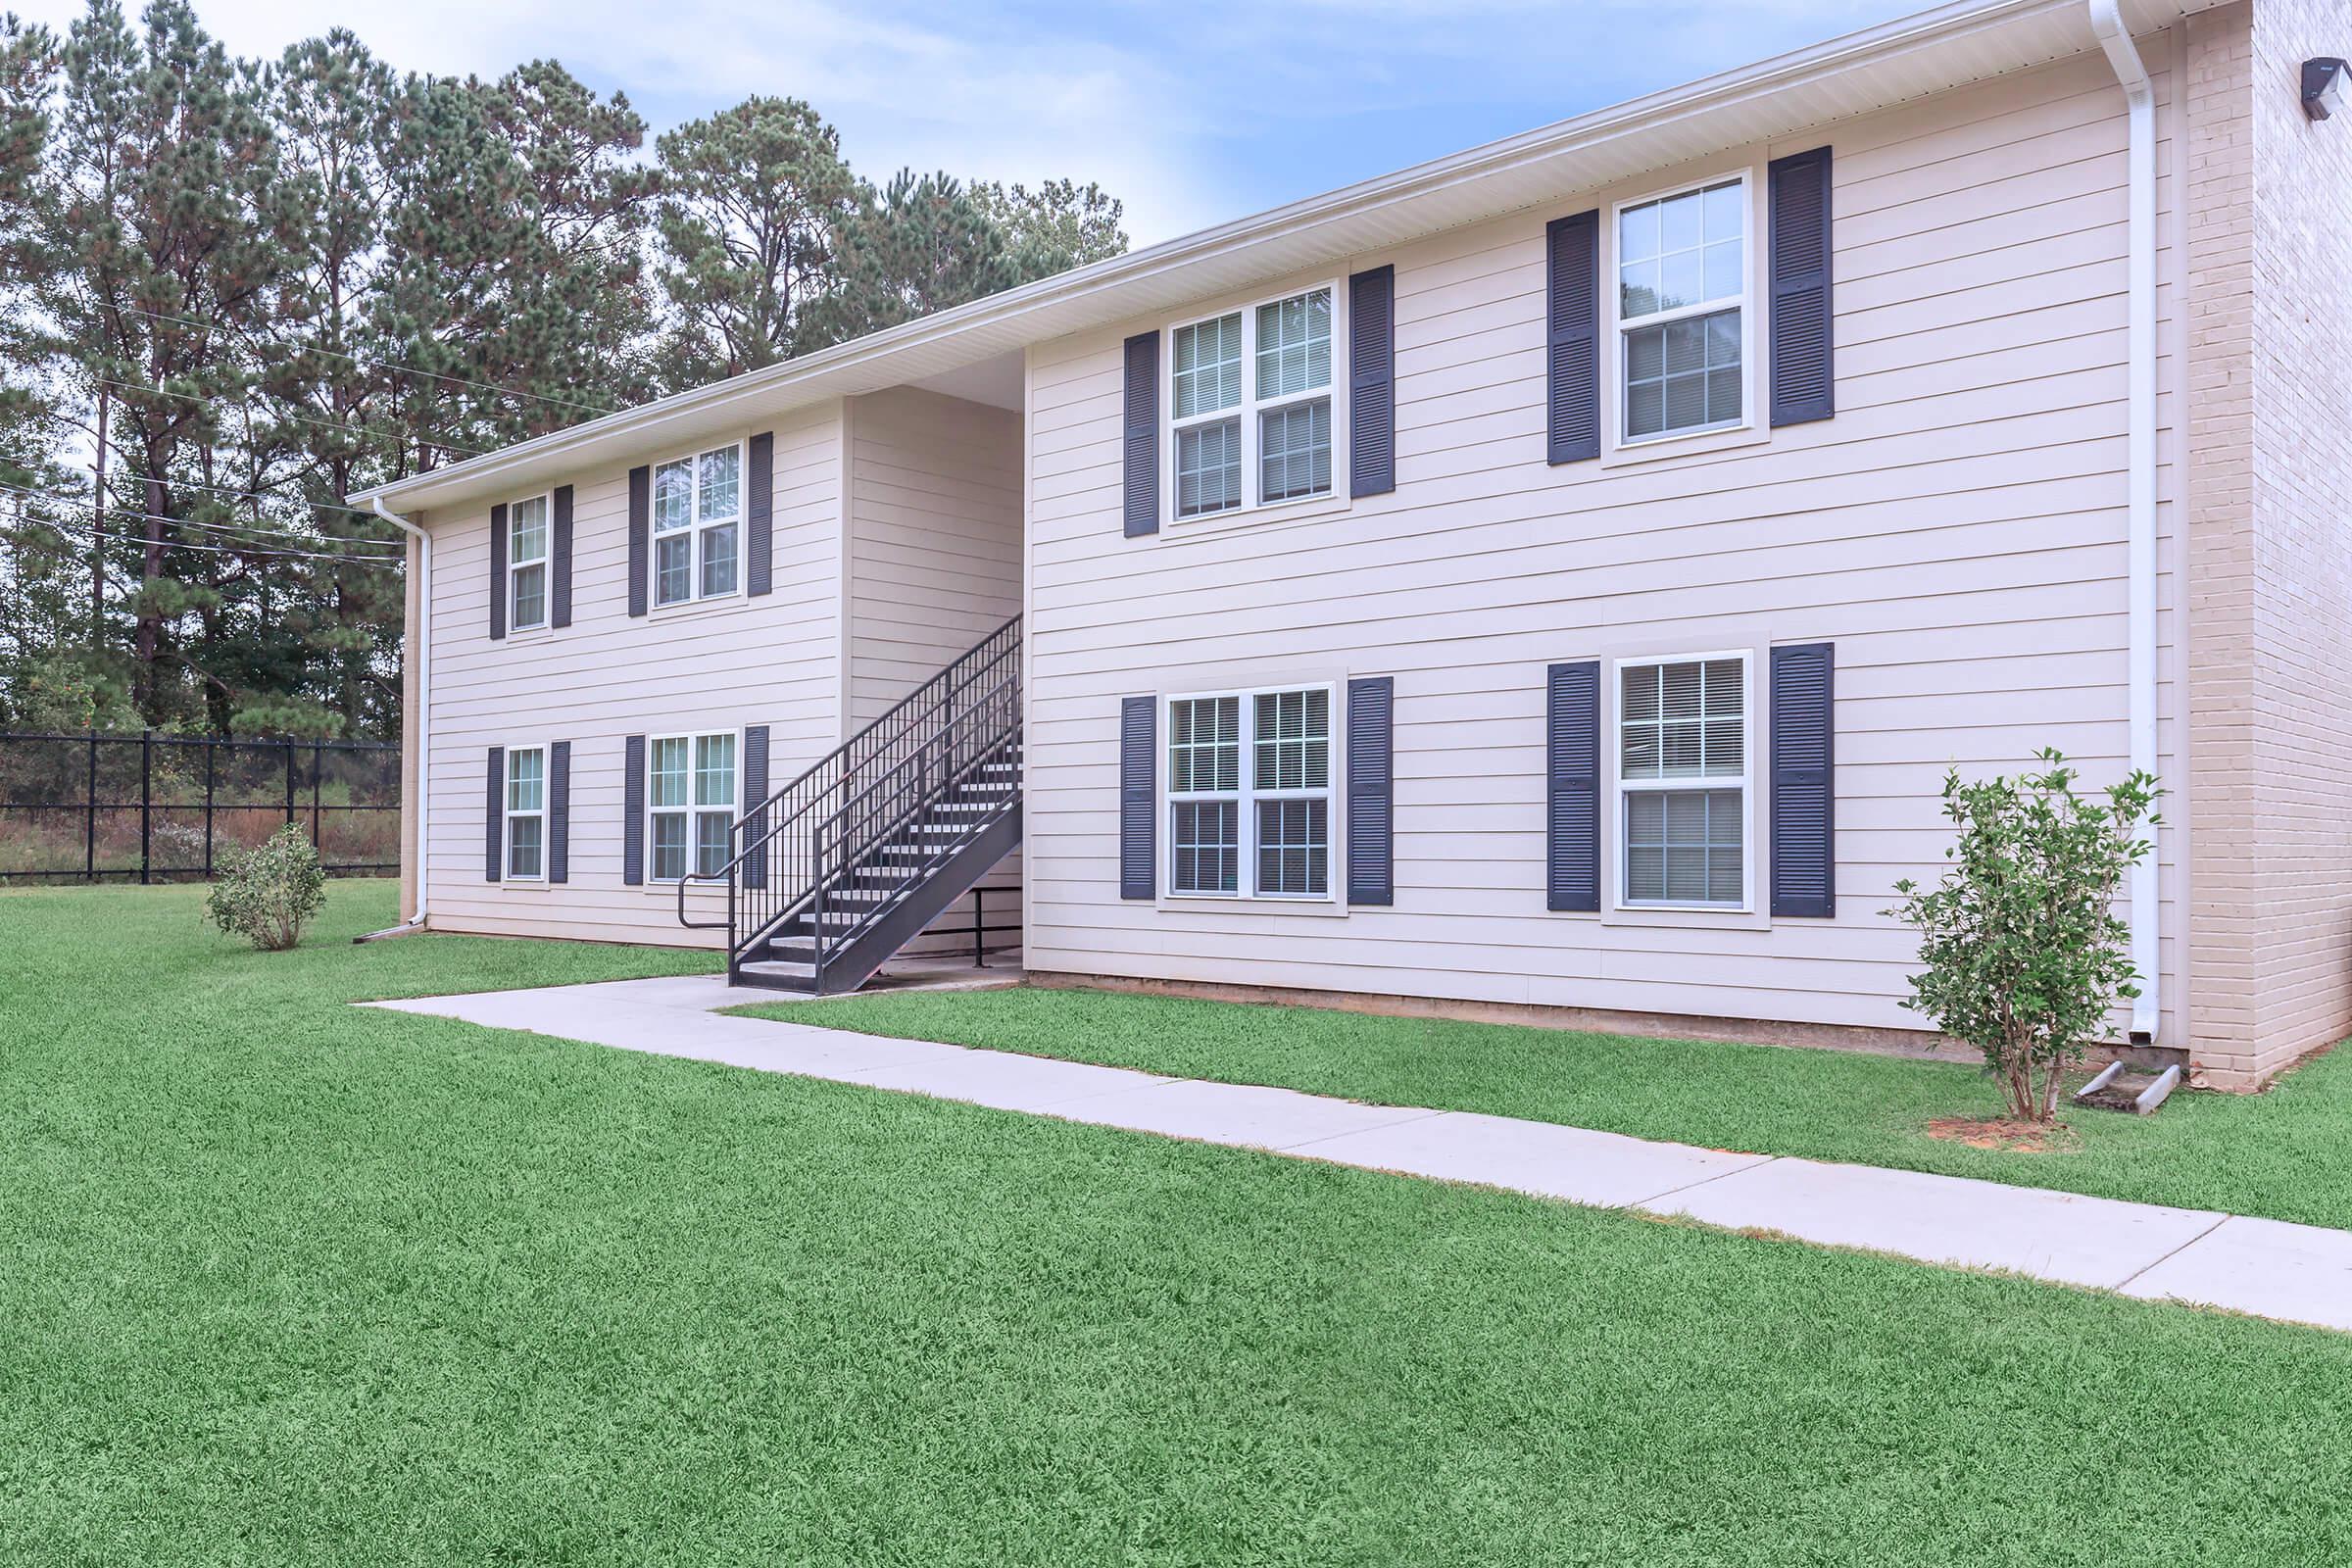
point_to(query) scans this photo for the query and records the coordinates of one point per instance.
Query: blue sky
(1192, 114)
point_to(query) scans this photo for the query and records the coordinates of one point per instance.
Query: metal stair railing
(786, 851)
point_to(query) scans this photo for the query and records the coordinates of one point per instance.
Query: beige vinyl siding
(738, 661)
(935, 532)
(934, 552)
(1957, 530)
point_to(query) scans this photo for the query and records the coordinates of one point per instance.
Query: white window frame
(1744, 781)
(1248, 795)
(508, 816)
(697, 528)
(690, 811)
(545, 561)
(1252, 409)
(1620, 326)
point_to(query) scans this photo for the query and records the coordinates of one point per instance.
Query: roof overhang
(1912, 58)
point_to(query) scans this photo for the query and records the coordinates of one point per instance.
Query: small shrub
(2023, 949)
(268, 894)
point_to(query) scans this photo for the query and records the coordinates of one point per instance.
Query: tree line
(233, 292)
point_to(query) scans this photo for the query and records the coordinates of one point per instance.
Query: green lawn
(2285, 1153)
(288, 1282)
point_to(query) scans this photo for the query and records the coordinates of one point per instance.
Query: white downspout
(421, 639)
(2140, 98)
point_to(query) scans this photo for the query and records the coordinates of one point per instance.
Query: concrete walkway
(2299, 1273)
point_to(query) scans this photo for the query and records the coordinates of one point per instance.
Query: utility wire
(324, 424)
(76, 532)
(381, 363)
(225, 490)
(233, 530)
(186, 543)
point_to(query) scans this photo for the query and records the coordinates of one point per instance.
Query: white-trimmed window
(698, 515)
(1250, 406)
(1682, 729)
(690, 803)
(526, 814)
(526, 563)
(1683, 310)
(1250, 794)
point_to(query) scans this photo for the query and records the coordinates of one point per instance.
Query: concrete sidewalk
(2299, 1273)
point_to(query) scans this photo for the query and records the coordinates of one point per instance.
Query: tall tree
(1057, 226)
(321, 382)
(167, 240)
(578, 307)
(752, 205)
(916, 246)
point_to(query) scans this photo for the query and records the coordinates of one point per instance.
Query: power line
(381, 363)
(77, 533)
(214, 550)
(324, 424)
(233, 530)
(225, 490)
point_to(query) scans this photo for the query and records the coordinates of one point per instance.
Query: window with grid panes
(1251, 397)
(1681, 777)
(1249, 787)
(1681, 298)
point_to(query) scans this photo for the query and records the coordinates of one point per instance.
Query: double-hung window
(1250, 400)
(690, 803)
(698, 512)
(1683, 780)
(526, 563)
(1250, 794)
(527, 812)
(1682, 311)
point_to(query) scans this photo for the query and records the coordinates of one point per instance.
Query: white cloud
(1191, 115)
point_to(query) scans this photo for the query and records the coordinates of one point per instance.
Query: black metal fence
(156, 807)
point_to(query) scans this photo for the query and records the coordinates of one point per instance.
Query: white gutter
(2140, 99)
(420, 642)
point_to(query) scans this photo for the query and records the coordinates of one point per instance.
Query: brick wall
(2270, 431)
(2302, 544)
(2218, 311)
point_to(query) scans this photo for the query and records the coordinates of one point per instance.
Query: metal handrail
(866, 794)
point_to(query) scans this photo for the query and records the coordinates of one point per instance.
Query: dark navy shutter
(641, 534)
(755, 793)
(632, 809)
(1372, 382)
(1138, 757)
(559, 569)
(1572, 344)
(1141, 438)
(494, 817)
(498, 571)
(758, 518)
(1804, 376)
(1804, 799)
(1371, 791)
(558, 811)
(1572, 764)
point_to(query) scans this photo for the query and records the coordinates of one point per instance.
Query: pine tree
(162, 193)
(753, 202)
(1057, 226)
(323, 383)
(916, 246)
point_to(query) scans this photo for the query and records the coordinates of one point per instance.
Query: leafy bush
(2023, 949)
(269, 893)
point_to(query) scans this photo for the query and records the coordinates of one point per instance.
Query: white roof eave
(1914, 56)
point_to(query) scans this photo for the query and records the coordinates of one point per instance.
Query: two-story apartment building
(1552, 580)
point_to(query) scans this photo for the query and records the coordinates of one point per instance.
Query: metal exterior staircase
(838, 870)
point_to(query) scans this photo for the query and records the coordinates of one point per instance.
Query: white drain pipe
(2140, 99)
(420, 642)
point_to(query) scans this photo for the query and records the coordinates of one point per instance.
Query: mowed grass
(288, 1282)
(2285, 1153)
